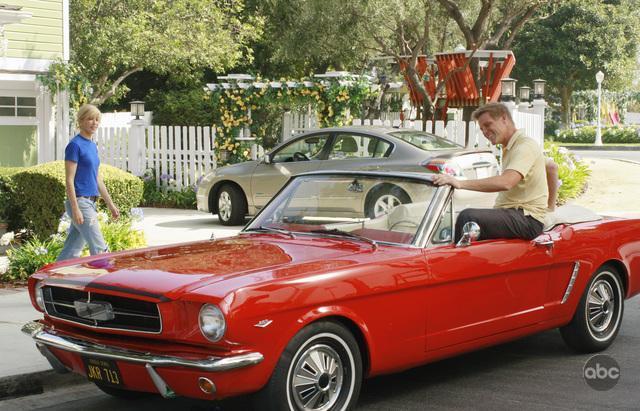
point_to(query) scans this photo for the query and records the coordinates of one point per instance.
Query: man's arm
(505, 181)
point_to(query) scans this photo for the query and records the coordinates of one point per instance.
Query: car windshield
(425, 141)
(364, 208)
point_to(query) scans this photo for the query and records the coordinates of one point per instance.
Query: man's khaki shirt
(531, 194)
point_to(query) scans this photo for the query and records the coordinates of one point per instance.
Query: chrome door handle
(547, 243)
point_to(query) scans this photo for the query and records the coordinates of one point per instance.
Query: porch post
(136, 146)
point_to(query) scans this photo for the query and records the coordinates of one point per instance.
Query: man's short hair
(495, 110)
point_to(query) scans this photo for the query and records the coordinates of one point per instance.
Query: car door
(353, 151)
(301, 155)
(484, 289)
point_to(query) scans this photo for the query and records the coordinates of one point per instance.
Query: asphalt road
(629, 155)
(535, 373)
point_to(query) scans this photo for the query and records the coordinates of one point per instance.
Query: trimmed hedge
(8, 210)
(39, 193)
(610, 135)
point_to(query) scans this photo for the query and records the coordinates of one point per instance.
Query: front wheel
(232, 205)
(599, 314)
(320, 369)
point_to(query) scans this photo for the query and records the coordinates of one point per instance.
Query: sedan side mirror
(470, 233)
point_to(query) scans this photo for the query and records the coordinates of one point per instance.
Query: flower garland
(234, 108)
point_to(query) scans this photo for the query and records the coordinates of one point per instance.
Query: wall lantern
(538, 88)
(525, 94)
(137, 109)
(508, 89)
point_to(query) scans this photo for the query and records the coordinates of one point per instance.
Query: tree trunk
(565, 98)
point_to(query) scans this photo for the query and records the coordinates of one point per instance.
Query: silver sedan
(242, 189)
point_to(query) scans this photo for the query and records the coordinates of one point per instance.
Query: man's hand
(442, 179)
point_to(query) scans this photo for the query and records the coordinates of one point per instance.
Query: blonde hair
(87, 111)
(495, 110)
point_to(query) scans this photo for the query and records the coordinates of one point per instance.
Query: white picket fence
(178, 155)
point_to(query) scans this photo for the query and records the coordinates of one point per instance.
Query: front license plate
(102, 371)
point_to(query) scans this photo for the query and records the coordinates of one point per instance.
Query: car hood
(169, 272)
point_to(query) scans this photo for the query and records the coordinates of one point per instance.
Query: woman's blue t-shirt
(84, 152)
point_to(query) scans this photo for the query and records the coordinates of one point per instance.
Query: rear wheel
(320, 369)
(232, 205)
(383, 198)
(599, 314)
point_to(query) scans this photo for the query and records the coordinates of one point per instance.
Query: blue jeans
(86, 233)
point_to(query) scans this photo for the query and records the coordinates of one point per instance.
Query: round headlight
(212, 323)
(39, 295)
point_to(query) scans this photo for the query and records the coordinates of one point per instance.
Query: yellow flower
(234, 151)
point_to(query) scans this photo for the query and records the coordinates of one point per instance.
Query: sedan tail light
(442, 166)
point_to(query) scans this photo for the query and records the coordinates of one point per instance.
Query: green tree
(112, 39)
(582, 37)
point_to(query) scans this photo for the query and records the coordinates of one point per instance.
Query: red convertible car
(314, 295)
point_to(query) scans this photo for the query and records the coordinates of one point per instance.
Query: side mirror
(470, 233)
(265, 159)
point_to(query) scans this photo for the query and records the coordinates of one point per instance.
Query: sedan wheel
(232, 205)
(599, 314)
(383, 198)
(321, 369)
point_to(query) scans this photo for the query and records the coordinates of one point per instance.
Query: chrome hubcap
(600, 305)
(317, 378)
(384, 204)
(224, 206)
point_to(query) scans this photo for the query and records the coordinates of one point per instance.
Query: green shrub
(573, 173)
(610, 135)
(31, 255)
(166, 197)
(9, 211)
(39, 193)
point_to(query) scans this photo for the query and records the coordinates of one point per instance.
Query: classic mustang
(315, 294)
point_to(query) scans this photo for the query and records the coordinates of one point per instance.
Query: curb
(36, 383)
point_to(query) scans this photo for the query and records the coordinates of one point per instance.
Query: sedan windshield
(361, 208)
(425, 141)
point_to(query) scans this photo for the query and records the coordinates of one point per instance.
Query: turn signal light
(206, 385)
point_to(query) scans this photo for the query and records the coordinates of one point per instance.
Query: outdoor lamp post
(508, 89)
(525, 93)
(137, 109)
(538, 88)
(599, 78)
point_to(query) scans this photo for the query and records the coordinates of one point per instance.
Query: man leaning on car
(521, 205)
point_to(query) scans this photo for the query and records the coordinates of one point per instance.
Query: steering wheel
(298, 156)
(408, 224)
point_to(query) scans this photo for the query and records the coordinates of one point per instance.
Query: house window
(12, 106)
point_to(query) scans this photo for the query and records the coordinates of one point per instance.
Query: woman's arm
(104, 193)
(70, 168)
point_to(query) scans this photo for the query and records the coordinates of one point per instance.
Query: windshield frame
(419, 237)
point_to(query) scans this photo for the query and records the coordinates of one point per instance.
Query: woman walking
(83, 186)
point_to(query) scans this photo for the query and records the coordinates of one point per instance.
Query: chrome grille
(130, 314)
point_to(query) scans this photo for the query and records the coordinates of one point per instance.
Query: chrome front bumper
(45, 338)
